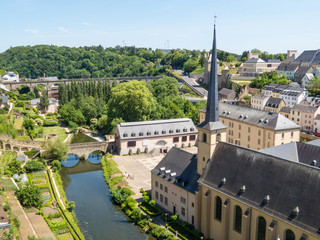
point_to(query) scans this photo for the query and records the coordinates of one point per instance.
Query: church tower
(211, 131)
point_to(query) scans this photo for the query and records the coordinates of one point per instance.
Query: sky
(273, 26)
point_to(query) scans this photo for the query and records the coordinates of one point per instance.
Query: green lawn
(18, 123)
(62, 134)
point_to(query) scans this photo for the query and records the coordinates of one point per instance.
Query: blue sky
(274, 25)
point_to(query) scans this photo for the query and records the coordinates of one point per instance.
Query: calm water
(97, 216)
(81, 138)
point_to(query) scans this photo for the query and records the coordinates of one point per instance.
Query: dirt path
(26, 228)
(40, 226)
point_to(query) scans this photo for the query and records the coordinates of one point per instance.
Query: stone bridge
(48, 84)
(85, 149)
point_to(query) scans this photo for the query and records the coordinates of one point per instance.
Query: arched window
(204, 137)
(218, 138)
(238, 219)
(289, 235)
(261, 230)
(218, 214)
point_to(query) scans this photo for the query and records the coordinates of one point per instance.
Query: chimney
(314, 162)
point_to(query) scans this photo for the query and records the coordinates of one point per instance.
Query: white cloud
(33, 31)
(64, 29)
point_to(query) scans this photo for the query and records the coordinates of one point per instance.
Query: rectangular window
(166, 201)
(131, 143)
(249, 129)
(248, 138)
(192, 204)
(259, 132)
(183, 200)
(157, 184)
(166, 189)
(269, 135)
(259, 141)
(161, 186)
(176, 139)
(161, 198)
(183, 211)
(239, 135)
(239, 127)
(157, 195)
(192, 137)
(184, 138)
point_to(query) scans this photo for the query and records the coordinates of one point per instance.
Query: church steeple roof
(212, 111)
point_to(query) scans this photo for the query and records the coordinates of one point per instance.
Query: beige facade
(255, 136)
(275, 107)
(225, 229)
(173, 198)
(305, 116)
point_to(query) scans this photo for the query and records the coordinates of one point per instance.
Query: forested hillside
(96, 61)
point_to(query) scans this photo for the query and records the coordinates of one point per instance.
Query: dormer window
(125, 135)
(185, 129)
(170, 131)
(164, 132)
(156, 132)
(133, 134)
(192, 129)
(178, 130)
(141, 134)
(148, 133)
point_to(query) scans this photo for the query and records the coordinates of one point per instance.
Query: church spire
(212, 113)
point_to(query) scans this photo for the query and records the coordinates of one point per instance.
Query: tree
(190, 65)
(280, 56)
(56, 165)
(314, 82)
(56, 149)
(29, 196)
(32, 166)
(131, 101)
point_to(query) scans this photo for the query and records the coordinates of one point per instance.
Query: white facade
(305, 80)
(258, 101)
(10, 77)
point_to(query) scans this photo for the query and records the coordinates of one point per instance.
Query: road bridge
(85, 149)
(49, 83)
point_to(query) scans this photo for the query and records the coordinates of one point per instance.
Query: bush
(31, 153)
(152, 203)
(32, 166)
(29, 196)
(119, 195)
(47, 123)
(54, 215)
(56, 165)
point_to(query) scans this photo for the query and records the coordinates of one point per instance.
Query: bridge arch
(8, 147)
(71, 161)
(95, 157)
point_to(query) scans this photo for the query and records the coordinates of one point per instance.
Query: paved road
(191, 82)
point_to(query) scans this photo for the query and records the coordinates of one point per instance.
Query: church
(230, 192)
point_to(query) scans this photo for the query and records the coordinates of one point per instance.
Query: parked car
(317, 134)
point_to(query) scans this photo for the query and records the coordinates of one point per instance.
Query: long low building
(158, 135)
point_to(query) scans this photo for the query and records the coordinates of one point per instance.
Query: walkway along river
(97, 217)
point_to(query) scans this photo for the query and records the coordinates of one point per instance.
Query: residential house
(304, 116)
(10, 77)
(302, 71)
(158, 135)
(288, 69)
(52, 108)
(274, 104)
(316, 71)
(226, 95)
(311, 57)
(258, 101)
(257, 66)
(285, 111)
(291, 94)
(305, 80)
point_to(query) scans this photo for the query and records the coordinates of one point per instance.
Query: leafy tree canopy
(56, 149)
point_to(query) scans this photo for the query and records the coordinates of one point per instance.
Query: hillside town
(130, 142)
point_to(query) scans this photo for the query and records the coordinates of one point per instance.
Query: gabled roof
(255, 60)
(157, 128)
(259, 96)
(292, 66)
(304, 69)
(283, 66)
(183, 169)
(304, 108)
(274, 102)
(226, 91)
(297, 152)
(309, 76)
(288, 184)
(264, 119)
(307, 56)
(285, 109)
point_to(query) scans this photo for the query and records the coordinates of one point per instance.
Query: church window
(237, 219)
(290, 235)
(204, 137)
(218, 212)
(261, 230)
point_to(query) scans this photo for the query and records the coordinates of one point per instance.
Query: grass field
(62, 134)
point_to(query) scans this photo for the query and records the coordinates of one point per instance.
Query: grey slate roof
(314, 142)
(303, 70)
(283, 66)
(304, 108)
(226, 91)
(289, 184)
(296, 151)
(285, 109)
(292, 66)
(184, 165)
(274, 102)
(5, 99)
(255, 60)
(259, 96)
(147, 129)
(307, 56)
(264, 119)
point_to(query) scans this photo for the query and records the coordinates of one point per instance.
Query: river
(98, 218)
